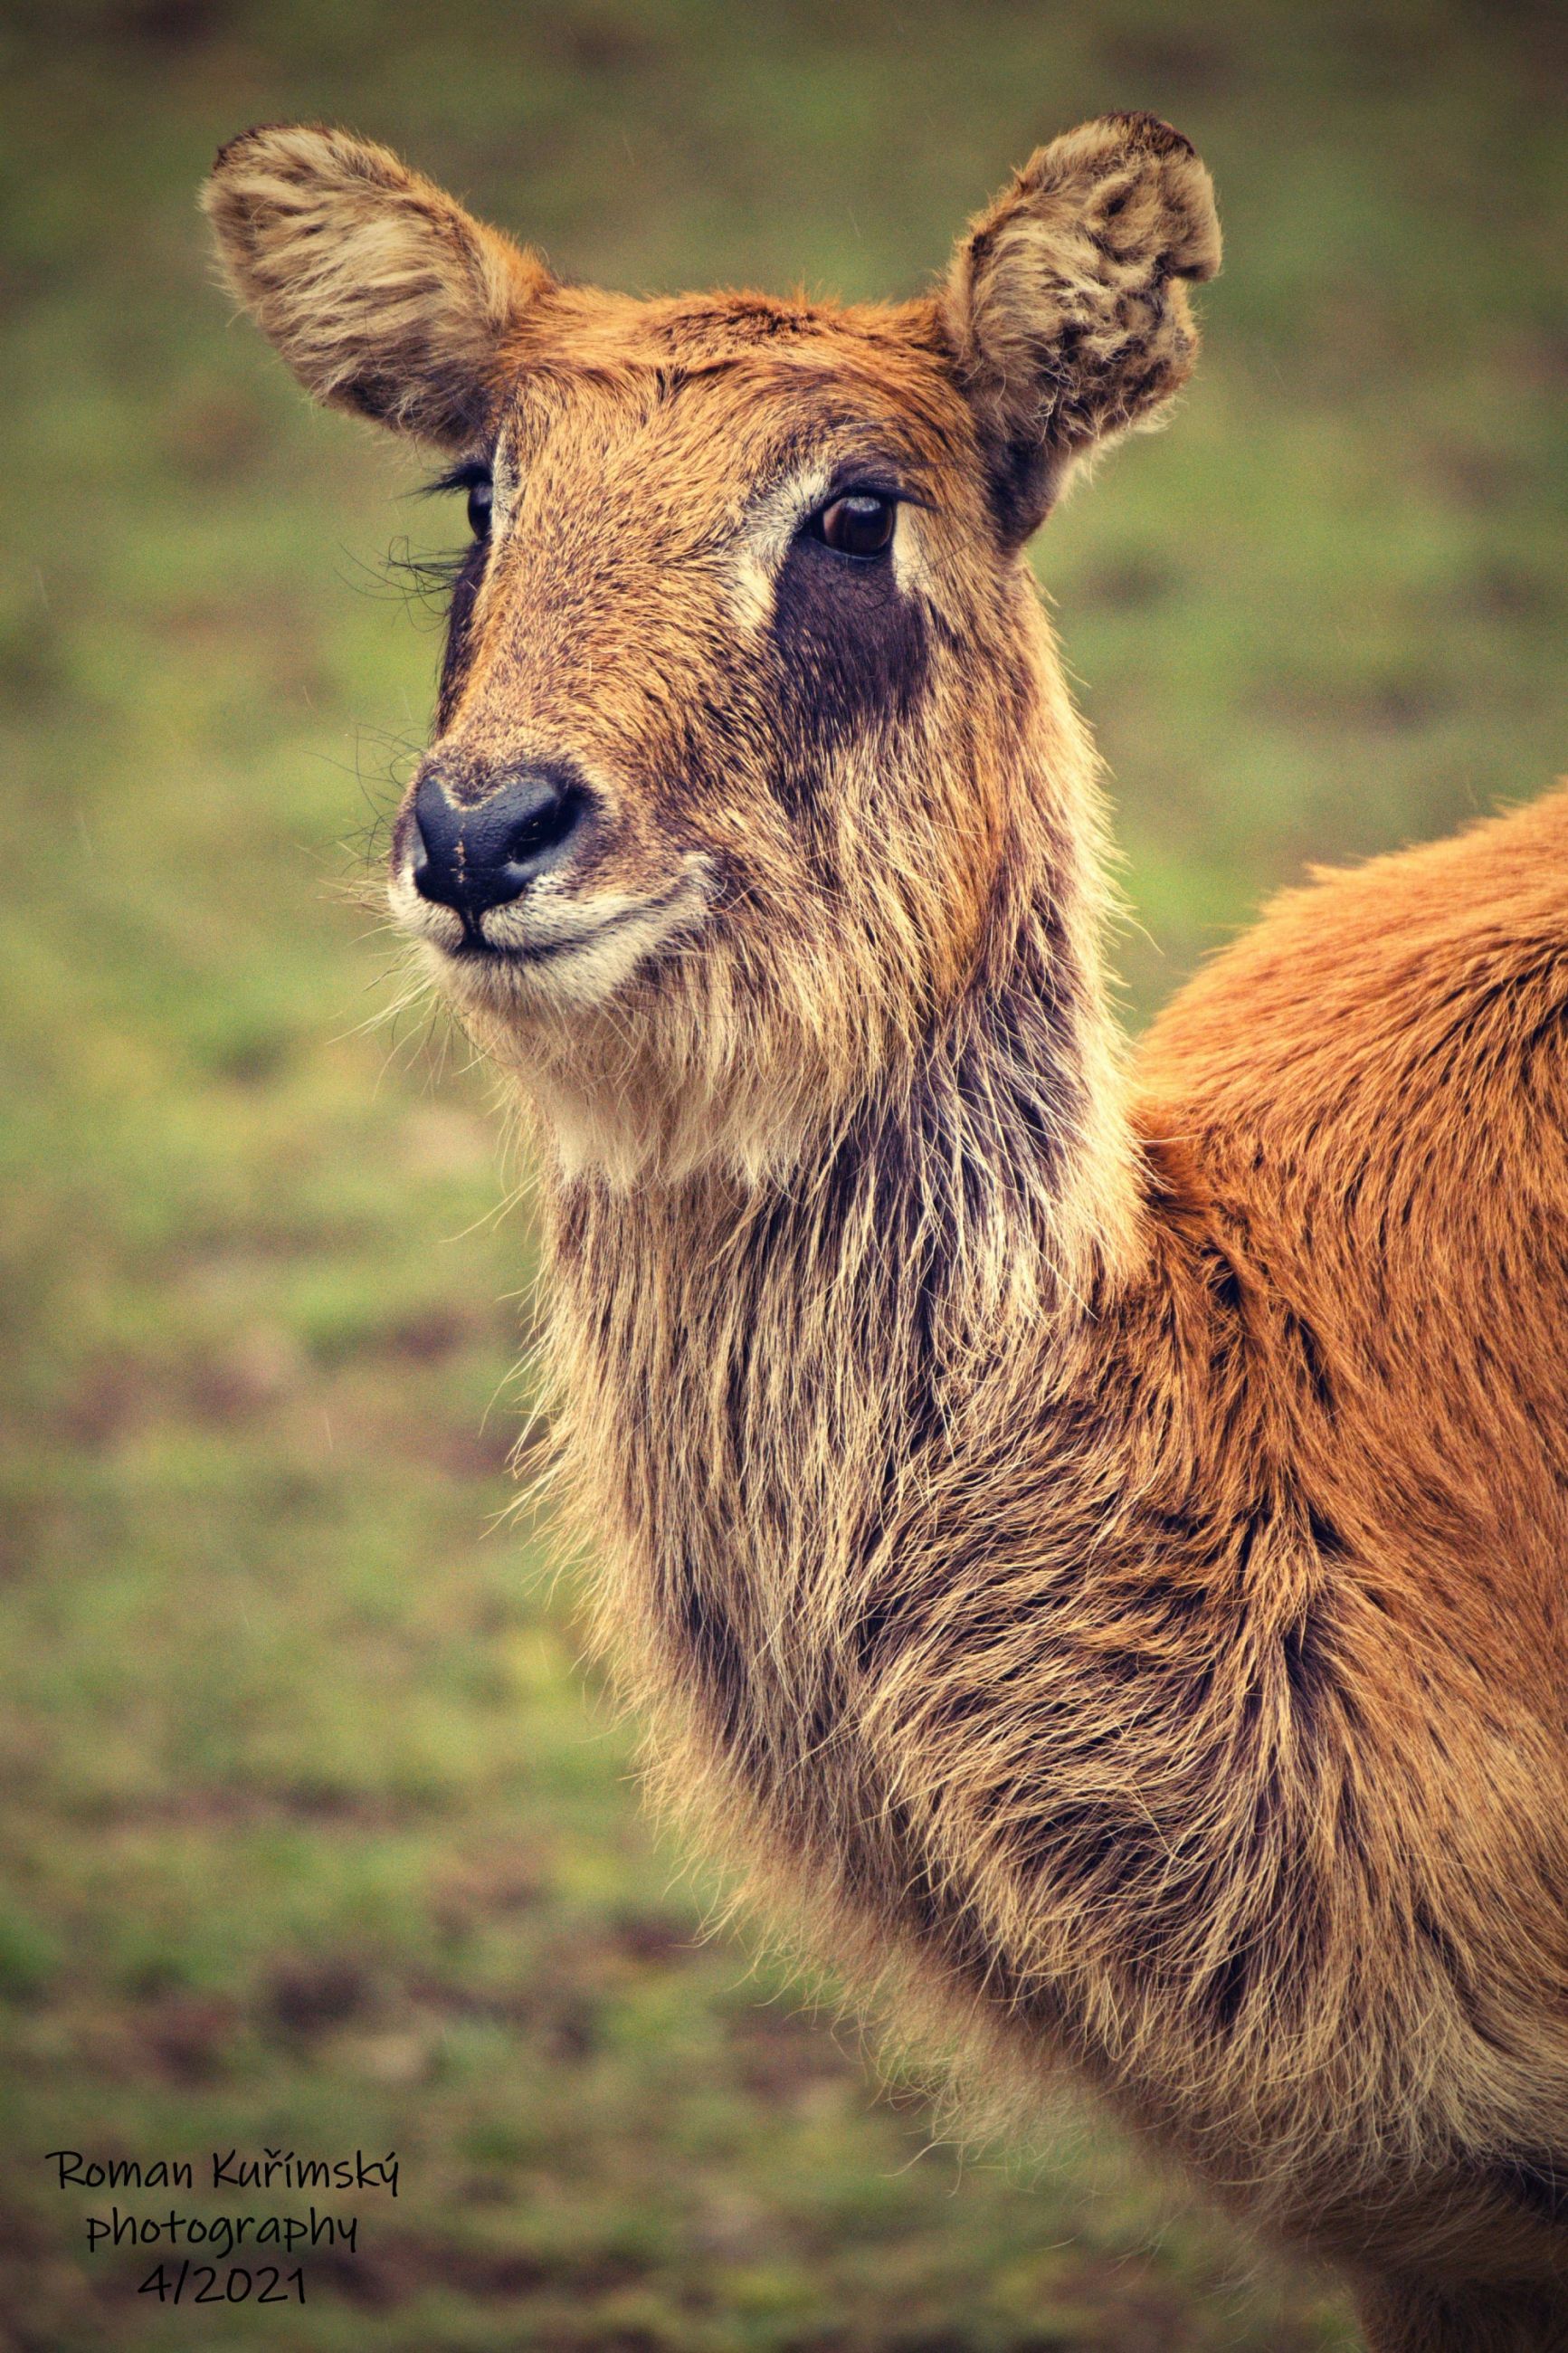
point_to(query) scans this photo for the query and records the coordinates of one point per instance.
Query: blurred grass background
(312, 1834)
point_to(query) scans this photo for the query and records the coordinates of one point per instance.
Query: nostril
(546, 828)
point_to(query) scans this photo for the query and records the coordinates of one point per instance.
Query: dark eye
(481, 497)
(861, 525)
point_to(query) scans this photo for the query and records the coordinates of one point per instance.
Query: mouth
(474, 947)
(547, 945)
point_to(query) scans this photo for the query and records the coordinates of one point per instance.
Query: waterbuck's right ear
(383, 294)
(1065, 305)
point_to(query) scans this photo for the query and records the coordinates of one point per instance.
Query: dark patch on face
(459, 631)
(851, 655)
(371, 394)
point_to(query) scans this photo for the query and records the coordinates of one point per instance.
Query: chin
(553, 951)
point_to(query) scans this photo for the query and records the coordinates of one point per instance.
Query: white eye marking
(505, 479)
(772, 523)
(494, 495)
(910, 568)
(764, 542)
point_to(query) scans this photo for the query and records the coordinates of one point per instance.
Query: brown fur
(1094, 1545)
(389, 299)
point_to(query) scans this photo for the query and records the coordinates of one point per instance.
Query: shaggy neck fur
(806, 1334)
(797, 1410)
(762, 1376)
(974, 1573)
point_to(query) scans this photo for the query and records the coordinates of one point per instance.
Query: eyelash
(473, 476)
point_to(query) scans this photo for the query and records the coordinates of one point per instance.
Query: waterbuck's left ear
(381, 293)
(1064, 303)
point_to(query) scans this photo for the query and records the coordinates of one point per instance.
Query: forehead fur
(889, 359)
(695, 330)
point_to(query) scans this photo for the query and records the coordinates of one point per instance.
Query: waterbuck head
(748, 717)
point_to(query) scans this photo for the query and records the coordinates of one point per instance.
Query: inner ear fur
(381, 292)
(1066, 305)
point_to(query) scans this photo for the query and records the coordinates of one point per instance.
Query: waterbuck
(1092, 1539)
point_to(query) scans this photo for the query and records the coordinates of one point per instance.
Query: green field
(314, 1834)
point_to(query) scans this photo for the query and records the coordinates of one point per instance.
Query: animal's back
(1365, 1100)
(1367, 972)
(1372, 1084)
(1363, 1104)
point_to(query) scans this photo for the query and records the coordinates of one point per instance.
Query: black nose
(484, 855)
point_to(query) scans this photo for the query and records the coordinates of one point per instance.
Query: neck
(760, 1377)
(949, 1544)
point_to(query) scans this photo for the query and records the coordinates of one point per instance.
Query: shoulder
(1426, 969)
